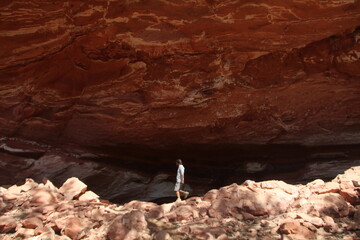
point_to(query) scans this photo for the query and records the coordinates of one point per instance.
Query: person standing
(180, 180)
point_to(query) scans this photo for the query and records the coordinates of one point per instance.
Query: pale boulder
(29, 184)
(45, 233)
(14, 189)
(184, 212)
(151, 210)
(295, 230)
(162, 235)
(89, 196)
(330, 225)
(315, 185)
(316, 221)
(346, 182)
(95, 214)
(329, 187)
(50, 185)
(73, 188)
(211, 195)
(129, 226)
(43, 196)
(2, 204)
(74, 228)
(117, 230)
(167, 207)
(256, 201)
(280, 185)
(25, 232)
(63, 206)
(136, 220)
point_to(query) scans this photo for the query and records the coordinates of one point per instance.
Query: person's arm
(182, 175)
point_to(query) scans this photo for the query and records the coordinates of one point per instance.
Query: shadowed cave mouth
(215, 166)
(131, 172)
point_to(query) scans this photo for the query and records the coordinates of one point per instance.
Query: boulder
(183, 212)
(14, 189)
(162, 235)
(45, 233)
(25, 232)
(3, 205)
(316, 221)
(280, 185)
(43, 196)
(32, 222)
(74, 228)
(2, 190)
(73, 188)
(95, 214)
(257, 201)
(89, 196)
(151, 210)
(329, 204)
(329, 187)
(7, 224)
(129, 226)
(117, 230)
(47, 183)
(295, 230)
(29, 184)
(63, 206)
(330, 225)
(211, 195)
(350, 195)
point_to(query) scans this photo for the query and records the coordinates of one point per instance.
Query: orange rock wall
(161, 72)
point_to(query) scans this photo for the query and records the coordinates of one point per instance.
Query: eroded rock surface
(252, 210)
(105, 73)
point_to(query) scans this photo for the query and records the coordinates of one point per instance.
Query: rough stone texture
(229, 213)
(32, 222)
(43, 196)
(74, 228)
(129, 226)
(104, 73)
(295, 230)
(89, 196)
(73, 188)
(7, 224)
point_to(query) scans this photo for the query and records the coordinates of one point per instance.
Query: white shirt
(180, 173)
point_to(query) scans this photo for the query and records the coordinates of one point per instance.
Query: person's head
(178, 162)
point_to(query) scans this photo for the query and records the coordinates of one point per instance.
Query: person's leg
(176, 189)
(182, 191)
(186, 194)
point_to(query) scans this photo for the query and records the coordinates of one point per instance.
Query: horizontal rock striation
(106, 73)
(252, 210)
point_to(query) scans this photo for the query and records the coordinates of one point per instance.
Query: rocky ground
(253, 210)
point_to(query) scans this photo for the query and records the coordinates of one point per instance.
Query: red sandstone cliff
(167, 72)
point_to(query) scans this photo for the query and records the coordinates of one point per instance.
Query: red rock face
(170, 72)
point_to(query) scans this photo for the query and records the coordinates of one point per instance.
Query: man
(180, 180)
